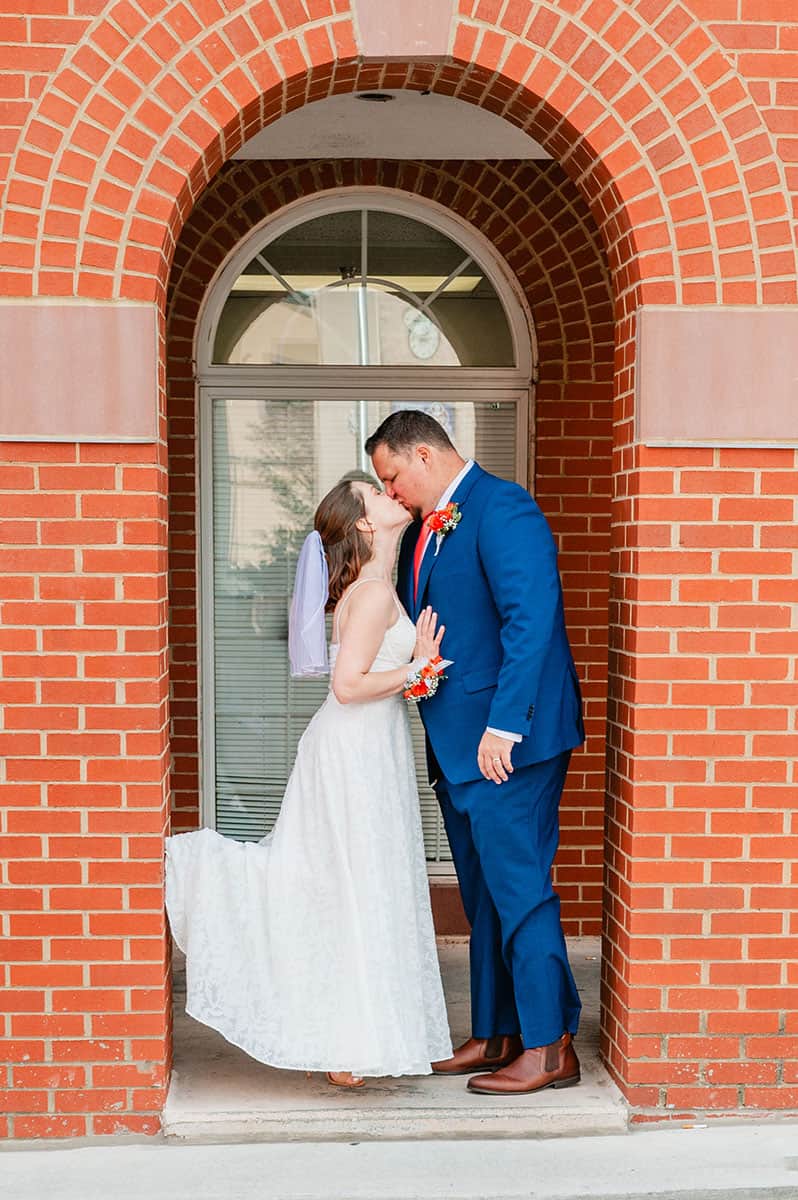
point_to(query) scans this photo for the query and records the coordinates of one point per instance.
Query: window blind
(272, 459)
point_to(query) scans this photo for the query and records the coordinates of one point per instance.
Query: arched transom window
(363, 287)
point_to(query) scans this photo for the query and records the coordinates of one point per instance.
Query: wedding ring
(496, 758)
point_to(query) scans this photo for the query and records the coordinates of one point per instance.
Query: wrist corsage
(443, 521)
(423, 682)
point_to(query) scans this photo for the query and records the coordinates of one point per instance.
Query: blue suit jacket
(495, 586)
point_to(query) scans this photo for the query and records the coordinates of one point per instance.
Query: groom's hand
(494, 758)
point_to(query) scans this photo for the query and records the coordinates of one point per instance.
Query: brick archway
(536, 219)
(659, 133)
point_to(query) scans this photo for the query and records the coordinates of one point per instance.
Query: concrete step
(219, 1093)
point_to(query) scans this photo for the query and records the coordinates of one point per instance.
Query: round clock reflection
(423, 337)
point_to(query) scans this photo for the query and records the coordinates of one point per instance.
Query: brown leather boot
(552, 1066)
(480, 1054)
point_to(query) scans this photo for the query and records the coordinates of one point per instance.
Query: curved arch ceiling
(411, 125)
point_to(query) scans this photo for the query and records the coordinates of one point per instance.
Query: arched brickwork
(660, 135)
(536, 218)
(665, 139)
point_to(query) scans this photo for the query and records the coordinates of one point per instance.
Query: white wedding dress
(314, 949)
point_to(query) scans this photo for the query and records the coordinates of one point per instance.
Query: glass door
(268, 456)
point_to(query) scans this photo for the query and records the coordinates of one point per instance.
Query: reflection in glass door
(268, 459)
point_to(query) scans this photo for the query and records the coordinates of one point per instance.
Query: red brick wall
(536, 218)
(700, 959)
(702, 848)
(84, 980)
(678, 125)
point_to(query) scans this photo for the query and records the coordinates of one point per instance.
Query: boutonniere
(443, 521)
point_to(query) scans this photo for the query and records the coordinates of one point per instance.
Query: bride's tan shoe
(344, 1079)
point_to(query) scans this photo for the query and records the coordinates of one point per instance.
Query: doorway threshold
(218, 1093)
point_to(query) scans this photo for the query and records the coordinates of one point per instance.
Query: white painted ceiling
(411, 125)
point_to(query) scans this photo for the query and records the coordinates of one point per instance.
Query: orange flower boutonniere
(443, 521)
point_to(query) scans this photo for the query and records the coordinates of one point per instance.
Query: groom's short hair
(408, 427)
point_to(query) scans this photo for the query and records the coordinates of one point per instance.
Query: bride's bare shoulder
(366, 600)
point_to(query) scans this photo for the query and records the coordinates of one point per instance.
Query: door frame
(419, 383)
(354, 388)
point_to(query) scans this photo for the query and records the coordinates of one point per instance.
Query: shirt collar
(454, 485)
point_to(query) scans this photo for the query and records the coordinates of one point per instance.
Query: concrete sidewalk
(728, 1162)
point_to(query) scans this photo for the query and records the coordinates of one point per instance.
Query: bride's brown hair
(345, 546)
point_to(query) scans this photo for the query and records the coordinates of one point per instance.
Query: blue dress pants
(503, 840)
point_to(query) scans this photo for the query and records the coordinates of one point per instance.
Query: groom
(499, 736)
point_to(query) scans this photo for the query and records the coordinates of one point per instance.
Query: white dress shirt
(442, 502)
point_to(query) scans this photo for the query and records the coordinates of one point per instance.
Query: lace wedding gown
(314, 949)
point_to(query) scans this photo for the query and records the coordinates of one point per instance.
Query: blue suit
(495, 585)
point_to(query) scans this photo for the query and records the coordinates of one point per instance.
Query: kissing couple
(314, 949)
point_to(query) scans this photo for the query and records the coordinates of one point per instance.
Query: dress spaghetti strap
(342, 603)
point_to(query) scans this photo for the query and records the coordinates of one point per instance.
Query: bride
(314, 949)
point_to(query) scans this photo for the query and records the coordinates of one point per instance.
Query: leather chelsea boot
(552, 1066)
(480, 1054)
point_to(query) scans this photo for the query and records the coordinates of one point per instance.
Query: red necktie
(421, 545)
